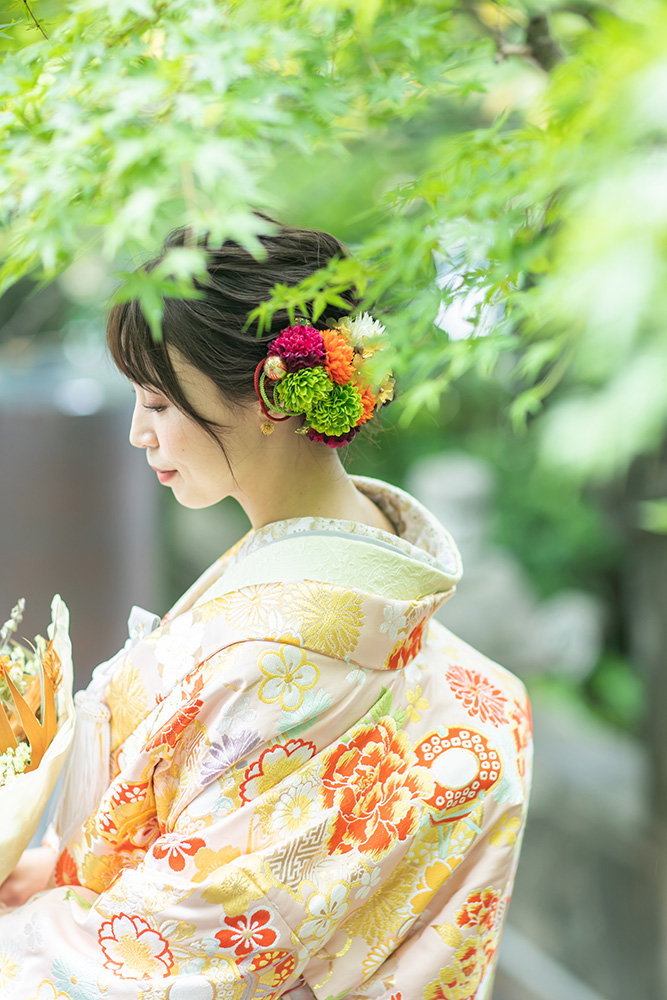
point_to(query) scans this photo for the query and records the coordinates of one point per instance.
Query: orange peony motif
(377, 788)
(461, 979)
(99, 872)
(479, 696)
(127, 817)
(406, 649)
(169, 734)
(339, 356)
(480, 910)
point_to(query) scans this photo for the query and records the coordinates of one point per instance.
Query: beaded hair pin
(321, 375)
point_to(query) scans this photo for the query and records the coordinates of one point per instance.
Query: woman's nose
(142, 434)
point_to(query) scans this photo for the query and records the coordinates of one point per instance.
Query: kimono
(313, 784)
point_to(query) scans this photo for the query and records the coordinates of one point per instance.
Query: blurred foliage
(519, 144)
(614, 692)
(506, 159)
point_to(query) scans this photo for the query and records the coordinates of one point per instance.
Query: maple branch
(27, 7)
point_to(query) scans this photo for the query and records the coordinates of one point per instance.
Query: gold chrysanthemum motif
(327, 620)
(253, 606)
(387, 910)
(126, 699)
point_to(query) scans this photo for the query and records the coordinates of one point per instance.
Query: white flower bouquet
(36, 727)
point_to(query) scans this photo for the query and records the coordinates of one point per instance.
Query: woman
(316, 789)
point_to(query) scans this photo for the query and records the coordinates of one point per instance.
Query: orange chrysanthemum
(368, 403)
(339, 356)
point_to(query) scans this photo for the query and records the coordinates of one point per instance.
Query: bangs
(146, 362)
(136, 354)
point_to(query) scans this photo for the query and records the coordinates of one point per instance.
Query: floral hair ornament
(323, 376)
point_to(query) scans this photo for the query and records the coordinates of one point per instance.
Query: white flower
(175, 649)
(295, 807)
(325, 911)
(236, 718)
(362, 328)
(356, 676)
(288, 675)
(33, 933)
(394, 622)
(370, 878)
(13, 762)
(412, 673)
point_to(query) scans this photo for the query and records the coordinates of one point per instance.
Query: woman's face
(181, 452)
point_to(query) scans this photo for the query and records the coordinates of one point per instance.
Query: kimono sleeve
(463, 899)
(193, 901)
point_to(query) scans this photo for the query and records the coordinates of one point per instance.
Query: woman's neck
(305, 481)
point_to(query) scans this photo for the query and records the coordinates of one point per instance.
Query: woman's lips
(163, 476)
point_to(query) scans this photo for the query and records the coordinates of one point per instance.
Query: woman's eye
(154, 409)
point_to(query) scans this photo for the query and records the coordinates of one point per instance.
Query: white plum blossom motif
(175, 649)
(236, 717)
(211, 802)
(33, 933)
(325, 910)
(356, 676)
(412, 673)
(394, 622)
(288, 675)
(370, 879)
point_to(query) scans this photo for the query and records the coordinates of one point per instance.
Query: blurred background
(554, 492)
(559, 585)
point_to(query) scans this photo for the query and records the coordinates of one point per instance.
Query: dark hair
(209, 332)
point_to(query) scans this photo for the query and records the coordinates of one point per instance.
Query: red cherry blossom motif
(175, 849)
(246, 932)
(465, 766)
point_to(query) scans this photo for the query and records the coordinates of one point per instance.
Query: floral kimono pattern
(311, 781)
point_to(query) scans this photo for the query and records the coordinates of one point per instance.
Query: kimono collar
(369, 589)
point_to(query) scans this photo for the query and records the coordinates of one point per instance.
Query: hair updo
(209, 332)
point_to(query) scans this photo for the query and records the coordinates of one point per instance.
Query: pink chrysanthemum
(333, 441)
(299, 347)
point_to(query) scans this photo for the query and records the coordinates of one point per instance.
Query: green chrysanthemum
(300, 391)
(339, 412)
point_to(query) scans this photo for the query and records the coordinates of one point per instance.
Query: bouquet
(36, 726)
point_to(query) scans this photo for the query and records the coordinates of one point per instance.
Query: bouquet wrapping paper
(23, 800)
